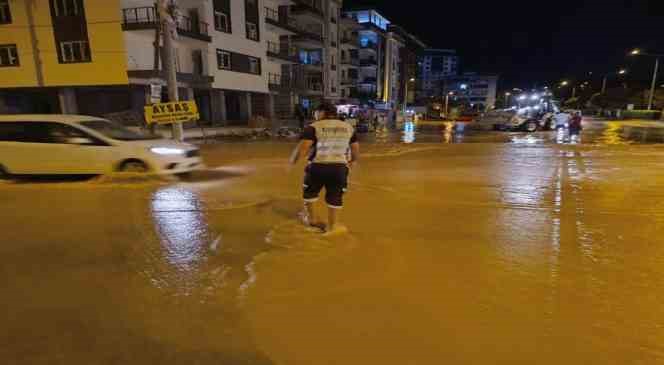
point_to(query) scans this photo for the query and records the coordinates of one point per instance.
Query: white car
(76, 144)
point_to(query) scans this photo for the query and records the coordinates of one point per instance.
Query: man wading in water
(327, 142)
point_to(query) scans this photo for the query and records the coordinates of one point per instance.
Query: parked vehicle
(76, 144)
(512, 120)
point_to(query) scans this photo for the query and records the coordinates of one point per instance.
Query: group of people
(571, 121)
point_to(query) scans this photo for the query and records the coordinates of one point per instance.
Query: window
(74, 52)
(8, 55)
(5, 13)
(66, 7)
(252, 31)
(254, 66)
(223, 60)
(40, 132)
(251, 3)
(221, 22)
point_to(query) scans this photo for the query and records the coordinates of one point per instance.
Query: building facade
(350, 60)
(55, 52)
(437, 65)
(476, 90)
(236, 58)
(410, 80)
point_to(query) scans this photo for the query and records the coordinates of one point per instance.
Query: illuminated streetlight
(412, 80)
(635, 52)
(564, 83)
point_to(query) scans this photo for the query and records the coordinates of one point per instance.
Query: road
(507, 249)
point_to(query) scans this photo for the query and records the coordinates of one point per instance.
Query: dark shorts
(332, 177)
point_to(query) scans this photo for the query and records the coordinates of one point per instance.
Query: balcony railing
(278, 19)
(350, 61)
(368, 45)
(369, 80)
(351, 40)
(276, 50)
(307, 6)
(193, 28)
(147, 17)
(349, 81)
(310, 33)
(370, 62)
(277, 82)
(315, 86)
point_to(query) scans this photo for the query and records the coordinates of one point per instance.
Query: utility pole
(654, 84)
(604, 85)
(29, 4)
(169, 27)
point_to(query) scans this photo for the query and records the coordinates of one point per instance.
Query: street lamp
(622, 71)
(407, 95)
(447, 103)
(638, 52)
(507, 99)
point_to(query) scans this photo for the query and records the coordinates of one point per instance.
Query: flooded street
(507, 248)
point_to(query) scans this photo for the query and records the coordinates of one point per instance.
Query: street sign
(174, 112)
(155, 93)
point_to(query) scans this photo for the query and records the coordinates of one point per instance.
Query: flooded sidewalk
(492, 251)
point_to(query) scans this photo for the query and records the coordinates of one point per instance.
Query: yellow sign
(175, 112)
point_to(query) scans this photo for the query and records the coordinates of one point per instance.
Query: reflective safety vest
(333, 139)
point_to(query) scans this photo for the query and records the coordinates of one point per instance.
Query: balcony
(313, 87)
(190, 78)
(347, 81)
(278, 82)
(146, 17)
(280, 21)
(309, 37)
(307, 7)
(287, 54)
(351, 41)
(369, 80)
(350, 62)
(333, 67)
(370, 62)
(368, 45)
(333, 44)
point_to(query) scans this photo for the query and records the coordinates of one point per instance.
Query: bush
(642, 114)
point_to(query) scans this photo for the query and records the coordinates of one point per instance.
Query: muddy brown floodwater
(502, 253)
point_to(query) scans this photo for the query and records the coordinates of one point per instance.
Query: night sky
(535, 42)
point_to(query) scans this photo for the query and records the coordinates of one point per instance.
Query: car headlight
(167, 151)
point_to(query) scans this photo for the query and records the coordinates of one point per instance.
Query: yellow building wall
(17, 33)
(109, 61)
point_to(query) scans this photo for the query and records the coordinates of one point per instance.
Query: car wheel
(531, 126)
(133, 166)
(4, 174)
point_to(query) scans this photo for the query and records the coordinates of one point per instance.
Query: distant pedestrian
(326, 142)
(575, 124)
(300, 115)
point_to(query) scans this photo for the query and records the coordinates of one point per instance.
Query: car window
(65, 134)
(43, 132)
(28, 132)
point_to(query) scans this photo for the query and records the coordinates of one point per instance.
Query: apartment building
(437, 65)
(477, 90)
(411, 81)
(380, 58)
(59, 56)
(236, 58)
(350, 60)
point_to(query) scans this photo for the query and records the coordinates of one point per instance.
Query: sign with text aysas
(174, 112)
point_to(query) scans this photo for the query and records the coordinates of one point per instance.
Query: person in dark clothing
(300, 115)
(575, 126)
